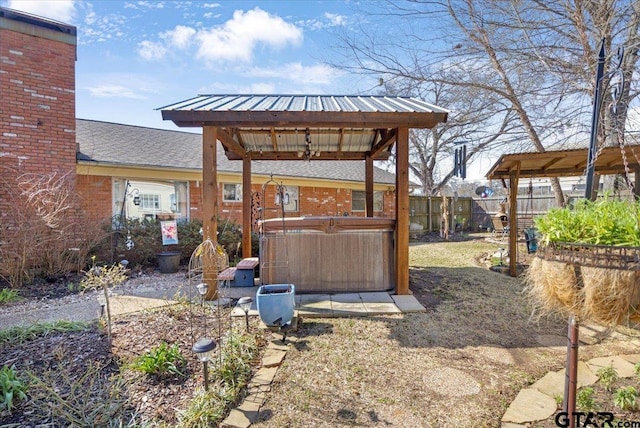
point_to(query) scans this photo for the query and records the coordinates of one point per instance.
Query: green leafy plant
(12, 388)
(231, 375)
(626, 398)
(585, 399)
(606, 221)
(164, 360)
(8, 295)
(636, 369)
(608, 376)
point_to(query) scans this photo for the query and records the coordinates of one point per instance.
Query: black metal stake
(205, 365)
(595, 118)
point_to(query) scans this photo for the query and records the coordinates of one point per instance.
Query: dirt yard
(460, 364)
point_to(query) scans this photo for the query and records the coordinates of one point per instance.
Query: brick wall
(95, 196)
(313, 201)
(37, 93)
(37, 88)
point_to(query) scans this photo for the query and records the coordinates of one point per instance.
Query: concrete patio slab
(407, 303)
(341, 309)
(375, 308)
(346, 298)
(376, 297)
(315, 306)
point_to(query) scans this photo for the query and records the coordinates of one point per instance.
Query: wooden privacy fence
(472, 214)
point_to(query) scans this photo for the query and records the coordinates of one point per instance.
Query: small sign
(169, 230)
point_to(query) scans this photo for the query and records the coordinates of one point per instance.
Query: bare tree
(532, 62)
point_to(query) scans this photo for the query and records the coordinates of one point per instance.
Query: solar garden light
(245, 305)
(202, 290)
(203, 349)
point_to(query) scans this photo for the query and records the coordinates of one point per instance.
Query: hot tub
(328, 254)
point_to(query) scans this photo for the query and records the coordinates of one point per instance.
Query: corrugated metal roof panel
(312, 103)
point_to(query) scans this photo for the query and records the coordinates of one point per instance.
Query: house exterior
(164, 172)
(142, 172)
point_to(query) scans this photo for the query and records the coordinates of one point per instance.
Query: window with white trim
(358, 200)
(231, 192)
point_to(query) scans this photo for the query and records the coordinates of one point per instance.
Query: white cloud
(329, 20)
(151, 50)
(144, 5)
(59, 10)
(318, 74)
(114, 91)
(334, 19)
(211, 5)
(238, 37)
(180, 37)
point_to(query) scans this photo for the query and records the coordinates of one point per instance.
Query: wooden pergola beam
(386, 140)
(303, 120)
(294, 156)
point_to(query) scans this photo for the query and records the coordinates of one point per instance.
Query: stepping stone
(530, 405)
(551, 384)
(273, 357)
(585, 376)
(407, 303)
(623, 367)
(633, 358)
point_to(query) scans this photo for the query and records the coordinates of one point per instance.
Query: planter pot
(169, 261)
(276, 303)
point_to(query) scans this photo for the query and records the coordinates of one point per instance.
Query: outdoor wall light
(203, 349)
(245, 305)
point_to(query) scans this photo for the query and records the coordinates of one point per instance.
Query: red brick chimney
(37, 93)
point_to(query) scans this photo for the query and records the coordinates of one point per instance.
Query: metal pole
(593, 143)
(571, 373)
(206, 374)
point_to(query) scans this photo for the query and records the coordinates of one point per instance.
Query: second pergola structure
(559, 163)
(307, 128)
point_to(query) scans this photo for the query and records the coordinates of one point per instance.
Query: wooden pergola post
(209, 206)
(513, 223)
(246, 207)
(402, 212)
(368, 183)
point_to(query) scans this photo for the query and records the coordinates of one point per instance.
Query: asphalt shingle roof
(129, 145)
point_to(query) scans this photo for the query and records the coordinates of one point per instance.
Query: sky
(134, 57)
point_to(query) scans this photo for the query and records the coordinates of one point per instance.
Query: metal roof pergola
(560, 163)
(306, 127)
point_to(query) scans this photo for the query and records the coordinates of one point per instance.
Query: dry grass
(460, 364)
(607, 296)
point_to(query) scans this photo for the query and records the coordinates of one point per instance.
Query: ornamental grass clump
(607, 221)
(570, 279)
